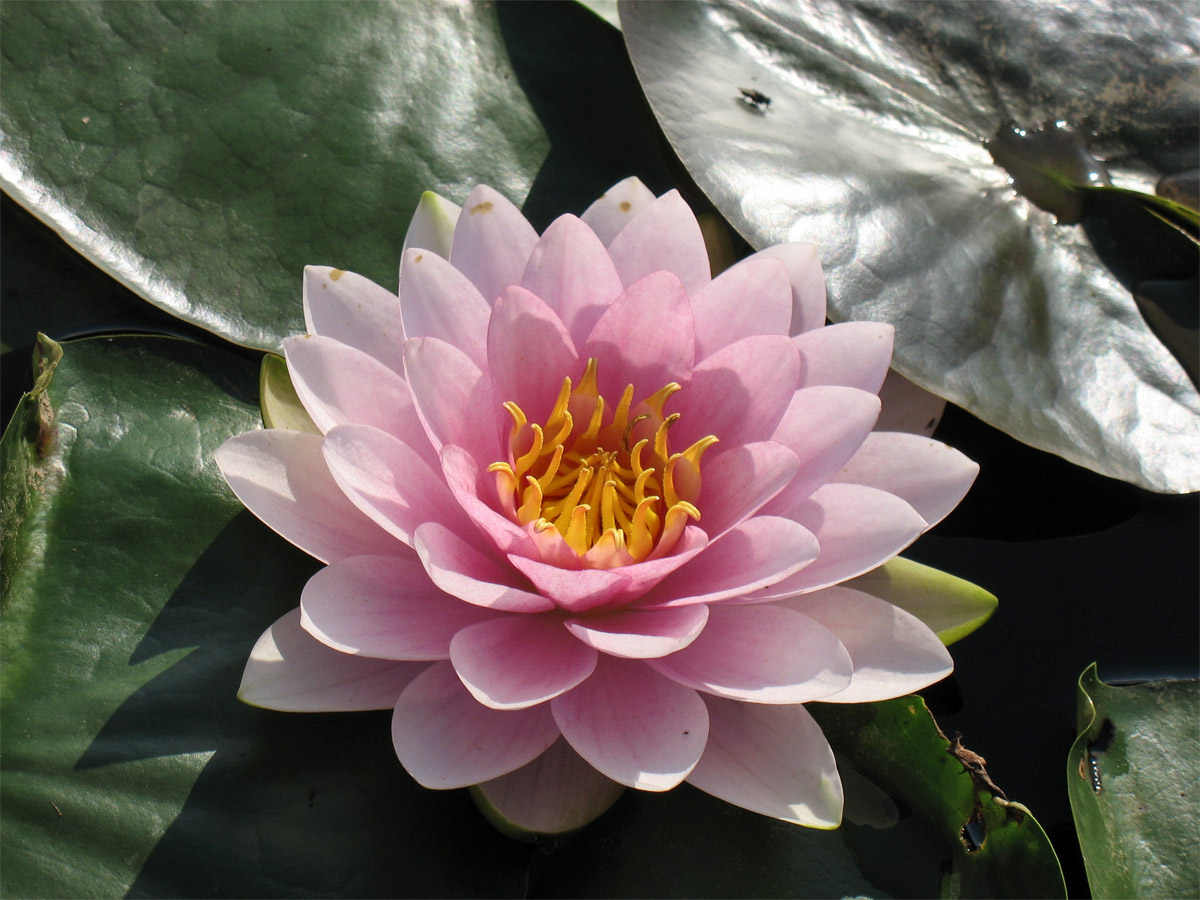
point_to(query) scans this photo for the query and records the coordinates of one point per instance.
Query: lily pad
(134, 586)
(202, 154)
(1134, 778)
(992, 847)
(861, 126)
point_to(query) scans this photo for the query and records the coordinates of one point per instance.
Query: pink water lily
(585, 507)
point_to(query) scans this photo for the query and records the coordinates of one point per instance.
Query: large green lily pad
(134, 587)
(1134, 782)
(872, 146)
(204, 153)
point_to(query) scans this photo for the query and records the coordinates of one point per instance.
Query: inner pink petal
(763, 654)
(663, 237)
(641, 634)
(570, 269)
(529, 353)
(459, 569)
(645, 338)
(519, 661)
(723, 314)
(437, 300)
(633, 725)
(454, 398)
(446, 739)
(492, 242)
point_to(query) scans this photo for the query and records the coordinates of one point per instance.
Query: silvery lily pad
(862, 126)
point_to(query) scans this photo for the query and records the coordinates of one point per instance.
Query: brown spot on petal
(335, 274)
(484, 207)
(418, 257)
(625, 206)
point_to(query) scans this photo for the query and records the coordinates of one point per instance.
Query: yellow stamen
(612, 498)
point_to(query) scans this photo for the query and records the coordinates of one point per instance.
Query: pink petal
(808, 283)
(445, 739)
(454, 398)
(641, 633)
(519, 661)
(432, 225)
(894, 652)
(771, 760)
(929, 475)
(858, 529)
(646, 574)
(529, 353)
(577, 590)
(384, 607)
(388, 480)
(853, 354)
(462, 571)
(824, 426)
(645, 338)
(355, 311)
(282, 478)
(570, 269)
(464, 477)
(492, 242)
(907, 407)
(663, 237)
(763, 654)
(292, 671)
(740, 392)
(759, 552)
(617, 207)
(556, 793)
(340, 385)
(437, 300)
(633, 725)
(740, 481)
(753, 297)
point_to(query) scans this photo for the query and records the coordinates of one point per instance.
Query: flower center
(613, 490)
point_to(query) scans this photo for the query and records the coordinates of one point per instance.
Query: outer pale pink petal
(858, 529)
(437, 300)
(492, 242)
(340, 385)
(755, 554)
(740, 481)
(556, 793)
(772, 760)
(282, 478)
(385, 607)
(762, 654)
(638, 728)
(520, 661)
(645, 338)
(740, 392)
(465, 479)
(753, 297)
(808, 283)
(529, 353)
(570, 269)
(432, 225)
(662, 237)
(929, 475)
(388, 480)
(617, 207)
(356, 311)
(641, 633)
(462, 571)
(824, 426)
(454, 398)
(577, 590)
(290, 670)
(853, 354)
(894, 652)
(907, 407)
(447, 739)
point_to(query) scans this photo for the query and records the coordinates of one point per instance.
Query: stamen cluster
(612, 490)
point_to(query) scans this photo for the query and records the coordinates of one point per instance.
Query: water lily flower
(586, 509)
